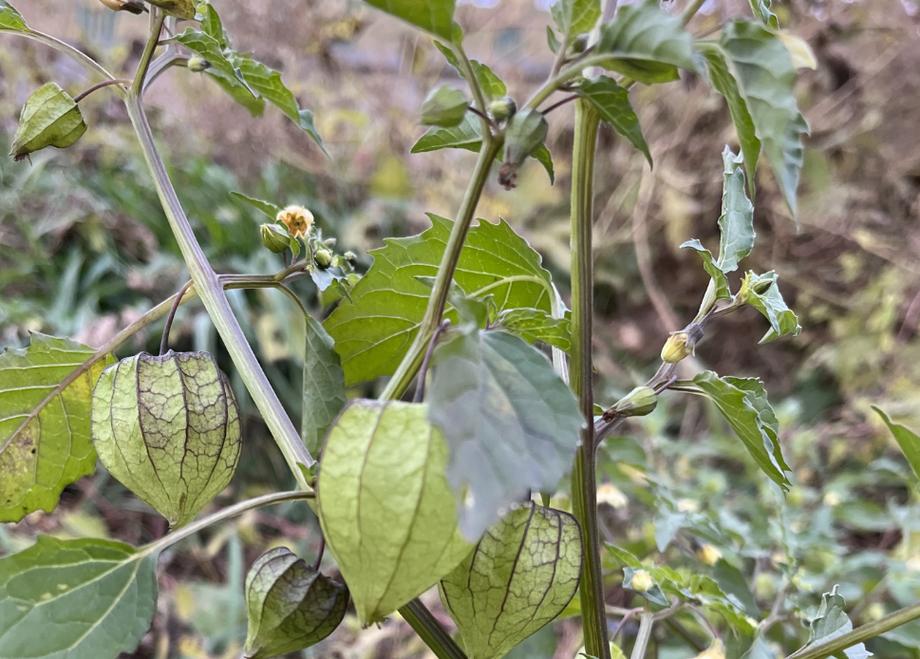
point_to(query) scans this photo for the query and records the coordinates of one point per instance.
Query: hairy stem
(211, 292)
(412, 360)
(430, 631)
(860, 634)
(584, 481)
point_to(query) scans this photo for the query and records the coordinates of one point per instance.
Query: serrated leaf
(168, 428)
(520, 577)
(766, 76)
(831, 621)
(75, 599)
(50, 117)
(761, 10)
(387, 511)
(534, 325)
(612, 103)
(290, 605)
(44, 422)
(434, 16)
(574, 17)
(908, 440)
(267, 208)
(723, 80)
(743, 404)
(373, 329)
(763, 294)
(210, 22)
(323, 386)
(10, 19)
(512, 425)
(646, 44)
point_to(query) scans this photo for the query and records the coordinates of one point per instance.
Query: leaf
(464, 135)
(179, 8)
(906, 439)
(444, 106)
(373, 329)
(612, 103)
(762, 293)
(75, 599)
(723, 80)
(210, 49)
(711, 267)
(434, 16)
(510, 422)
(520, 577)
(491, 85)
(764, 70)
(760, 649)
(646, 43)
(168, 428)
(44, 422)
(290, 605)
(744, 405)
(803, 57)
(50, 117)
(574, 17)
(207, 16)
(831, 621)
(543, 156)
(761, 9)
(385, 506)
(10, 19)
(534, 325)
(267, 208)
(323, 386)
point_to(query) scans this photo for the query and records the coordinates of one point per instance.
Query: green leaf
(612, 103)
(10, 19)
(512, 425)
(434, 16)
(44, 422)
(831, 621)
(217, 56)
(906, 439)
(207, 16)
(744, 405)
(491, 85)
(323, 386)
(373, 329)
(723, 80)
(761, 9)
(267, 208)
(520, 577)
(168, 428)
(543, 156)
(179, 8)
(290, 605)
(646, 43)
(711, 267)
(534, 325)
(444, 106)
(387, 511)
(766, 75)
(50, 117)
(75, 599)
(574, 17)
(762, 293)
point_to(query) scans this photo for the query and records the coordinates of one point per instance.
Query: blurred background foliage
(85, 248)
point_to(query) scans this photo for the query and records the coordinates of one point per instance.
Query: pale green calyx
(526, 131)
(50, 117)
(168, 428)
(638, 402)
(444, 106)
(290, 605)
(274, 237)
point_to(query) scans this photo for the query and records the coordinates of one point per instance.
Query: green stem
(78, 56)
(430, 631)
(584, 481)
(646, 621)
(211, 292)
(231, 511)
(137, 87)
(412, 360)
(859, 635)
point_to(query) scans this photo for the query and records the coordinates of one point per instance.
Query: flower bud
(197, 64)
(676, 348)
(50, 117)
(641, 581)
(297, 219)
(274, 237)
(179, 8)
(579, 44)
(526, 131)
(125, 5)
(168, 428)
(638, 402)
(350, 256)
(323, 258)
(502, 108)
(444, 106)
(708, 554)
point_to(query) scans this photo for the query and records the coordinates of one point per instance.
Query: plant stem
(78, 56)
(859, 635)
(211, 292)
(411, 361)
(430, 631)
(691, 10)
(584, 481)
(167, 326)
(99, 85)
(221, 515)
(646, 621)
(157, 20)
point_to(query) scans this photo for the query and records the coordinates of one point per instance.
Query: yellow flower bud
(611, 495)
(323, 258)
(133, 6)
(676, 348)
(714, 651)
(297, 219)
(641, 582)
(708, 554)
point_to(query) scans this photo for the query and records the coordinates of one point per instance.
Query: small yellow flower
(641, 581)
(611, 495)
(714, 651)
(297, 219)
(708, 554)
(676, 348)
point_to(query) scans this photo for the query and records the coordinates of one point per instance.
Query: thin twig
(99, 85)
(319, 553)
(482, 115)
(423, 370)
(167, 326)
(559, 104)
